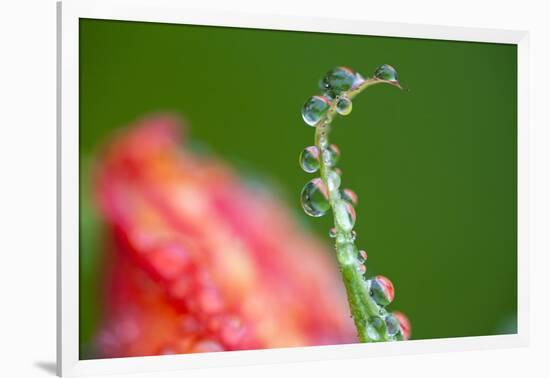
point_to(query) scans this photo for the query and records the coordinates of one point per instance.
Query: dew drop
(309, 159)
(353, 235)
(363, 255)
(362, 268)
(314, 198)
(344, 214)
(382, 290)
(392, 324)
(315, 109)
(332, 232)
(337, 81)
(358, 80)
(333, 181)
(331, 155)
(349, 196)
(351, 213)
(404, 324)
(387, 73)
(344, 106)
(375, 328)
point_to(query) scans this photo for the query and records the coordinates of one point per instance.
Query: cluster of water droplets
(315, 196)
(323, 193)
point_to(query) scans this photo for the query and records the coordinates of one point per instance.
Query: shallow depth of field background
(434, 168)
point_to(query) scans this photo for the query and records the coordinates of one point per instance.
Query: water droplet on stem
(344, 106)
(375, 328)
(309, 159)
(315, 109)
(314, 198)
(333, 181)
(349, 195)
(331, 155)
(337, 81)
(387, 73)
(392, 325)
(382, 290)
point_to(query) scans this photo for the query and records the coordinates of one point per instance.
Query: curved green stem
(362, 305)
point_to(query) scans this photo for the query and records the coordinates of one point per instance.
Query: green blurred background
(434, 168)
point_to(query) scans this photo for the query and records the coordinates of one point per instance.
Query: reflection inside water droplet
(315, 109)
(333, 181)
(387, 73)
(337, 81)
(382, 290)
(375, 328)
(331, 155)
(314, 198)
(309, 159)
(349, 195)
(392, 325)
(344, 106)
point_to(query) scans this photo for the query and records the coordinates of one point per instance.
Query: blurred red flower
(199, 262)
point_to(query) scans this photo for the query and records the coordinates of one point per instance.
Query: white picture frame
(171, 11)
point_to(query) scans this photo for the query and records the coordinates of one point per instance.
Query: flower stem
(362, 306)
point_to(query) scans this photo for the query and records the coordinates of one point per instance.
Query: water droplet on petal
(315, 109)
(375, 328)
(387, 73)
(349, 195)
(362, 268)
(309, 159)
(333, 181)
(363, 255)
(337, 81)
(382, 290)
(404, 324)
(314, 198)
(344, 106)
(392, 324)
(332, 232)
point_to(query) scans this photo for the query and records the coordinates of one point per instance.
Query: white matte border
(171, 11)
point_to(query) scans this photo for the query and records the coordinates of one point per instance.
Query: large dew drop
(309, 159)
(337, 81)
(375, 328)
(387, 73)
(315, 109)
(392, 325)
(381, 290)
(344, 106)
(314, 198)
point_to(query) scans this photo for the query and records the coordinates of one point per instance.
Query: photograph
(250, 189)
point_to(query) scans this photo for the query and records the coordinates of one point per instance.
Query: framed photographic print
(239, 188)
